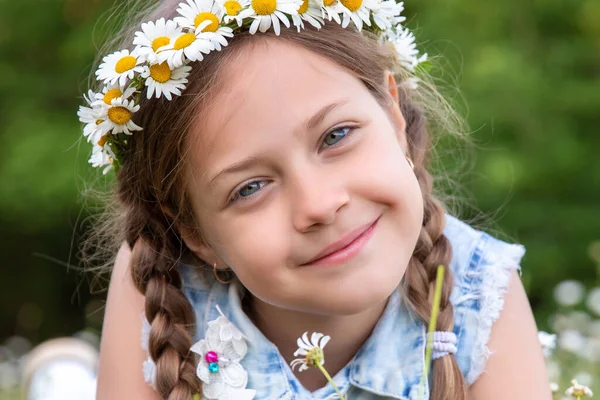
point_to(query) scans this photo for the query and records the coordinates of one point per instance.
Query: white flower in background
(357, 11)
(331, 10)
(163, 81)
(311, 350)
(102, 157)
(148, 367)
(267, 13)
(406, 48)
(572, 340)
(219, 367)
(119, 67)
(154, 36)
(187, 47)
(554, 387)
(593, 301)
(569, 293)
(92, 117)
(309, 12)
(576, 390)
(235, 10)
(119, 117)
(386, 14)
(548, 342)
(204, 16)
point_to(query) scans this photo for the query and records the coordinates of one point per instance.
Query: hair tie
(444, 343)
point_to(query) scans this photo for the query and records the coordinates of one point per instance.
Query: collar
(389, 364)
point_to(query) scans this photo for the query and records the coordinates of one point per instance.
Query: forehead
(265, 94)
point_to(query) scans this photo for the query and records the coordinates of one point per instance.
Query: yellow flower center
(103, 140)
(125, 64)
(314, 357)
(232, 7)
(352, 5)
(112, 94)
(328, 3)
(304, 7)
(119, 115)
(184, 41)
(160, 42)
(207, 16)
(160, 72)
(264, 7)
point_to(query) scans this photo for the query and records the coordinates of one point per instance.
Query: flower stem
(326, 374)
(439, 280)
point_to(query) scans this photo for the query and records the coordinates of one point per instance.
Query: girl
(273, 181)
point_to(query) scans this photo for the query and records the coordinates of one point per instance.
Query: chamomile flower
(270, 12)
(119, 67)
(205, 16)
(406, 48)
(235, 10)
(357, 11)
(189, 46)
(387, 14)
(163, 81)
(111, 92)
(577, 391)
(91, 116)
(102, 157)
(331, 10)
(309, 12)
(311, 350)
(119, 117)
(154, 36)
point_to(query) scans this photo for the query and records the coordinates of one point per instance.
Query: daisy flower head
(357, 11)
(91, 116)
(205, 16)
(188, 46)
(111, 92)
(119, 117)
(309, 12)
(154, 36)
(102, 157)
(578, 391)
(387, 14)
(311, 350)
(331, 10)
(270, 12)
(161, 80)
(406, 48)
(235, 10)
(119, 67)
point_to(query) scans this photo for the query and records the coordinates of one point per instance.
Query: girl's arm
(120, 374)
(516, 369)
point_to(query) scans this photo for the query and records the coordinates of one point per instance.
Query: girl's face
(294, 155)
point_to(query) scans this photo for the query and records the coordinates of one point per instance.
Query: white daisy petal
(119, 67)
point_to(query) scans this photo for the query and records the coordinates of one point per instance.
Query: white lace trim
(495, 278)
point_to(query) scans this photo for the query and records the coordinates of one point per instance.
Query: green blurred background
(529, 80)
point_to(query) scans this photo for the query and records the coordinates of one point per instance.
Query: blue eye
(248, 190)
(335, 136)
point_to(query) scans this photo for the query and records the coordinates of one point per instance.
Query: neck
(283, 327)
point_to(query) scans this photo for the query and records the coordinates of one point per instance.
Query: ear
(394, 109)
(197, 244)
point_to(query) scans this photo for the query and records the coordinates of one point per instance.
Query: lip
(345, 248)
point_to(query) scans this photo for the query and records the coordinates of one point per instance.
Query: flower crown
(159, 62)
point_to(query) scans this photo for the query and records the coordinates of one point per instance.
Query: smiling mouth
(345, 248)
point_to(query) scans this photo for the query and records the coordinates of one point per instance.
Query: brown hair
(150, 201)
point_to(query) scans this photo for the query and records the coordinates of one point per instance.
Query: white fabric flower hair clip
(162, 51)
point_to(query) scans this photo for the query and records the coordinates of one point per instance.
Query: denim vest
(390, 363)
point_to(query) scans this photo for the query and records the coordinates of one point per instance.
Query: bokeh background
(526, 75)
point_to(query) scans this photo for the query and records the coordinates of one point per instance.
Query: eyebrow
(310, 124)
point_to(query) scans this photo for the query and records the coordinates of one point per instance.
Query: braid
(170, 314)
(432, 249)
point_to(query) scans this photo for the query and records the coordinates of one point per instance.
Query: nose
(317, 197)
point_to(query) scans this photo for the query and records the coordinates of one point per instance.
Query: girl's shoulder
(481, 267)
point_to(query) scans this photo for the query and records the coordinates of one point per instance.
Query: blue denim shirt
(389, 364)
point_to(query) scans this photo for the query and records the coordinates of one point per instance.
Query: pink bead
(211, 357)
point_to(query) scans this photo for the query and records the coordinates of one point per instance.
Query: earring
(218, 278)
(412, 165)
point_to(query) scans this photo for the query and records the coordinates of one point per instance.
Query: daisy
(91, 116)
(235, 10)
(102, 156)
(357, 11)
(309, 12)
(205, 16)
(160, 79)
(119, 66)
(154, 36)
(187, 47)
(111, 92)
(331, 9)
(119, 117)
(312, 350)
(387, 14)
(406, 49)
(270, 12)
(578, 391)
